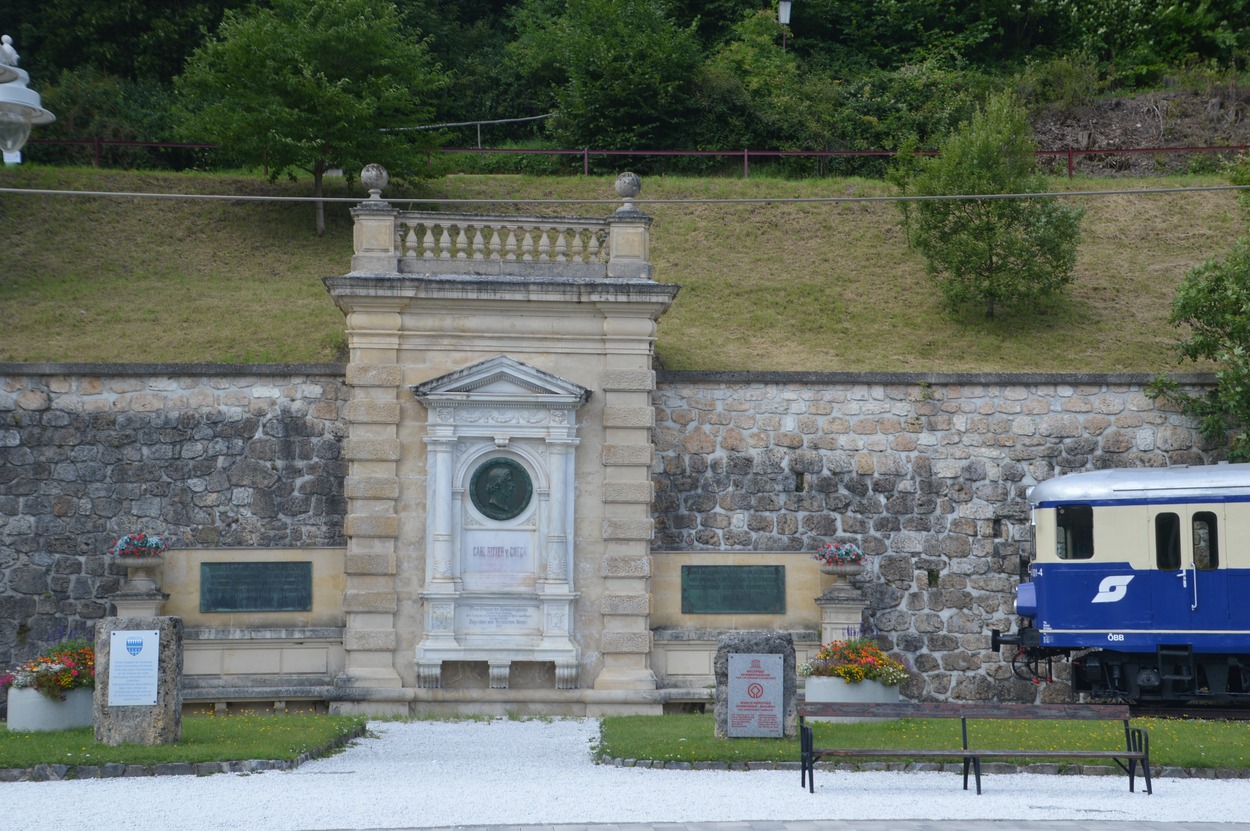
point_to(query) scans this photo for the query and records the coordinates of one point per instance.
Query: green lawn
(204, 739)
(690, 738)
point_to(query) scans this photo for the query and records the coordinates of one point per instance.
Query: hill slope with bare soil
(1168, 119)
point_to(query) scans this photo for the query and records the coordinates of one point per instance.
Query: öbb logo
(1113, 589)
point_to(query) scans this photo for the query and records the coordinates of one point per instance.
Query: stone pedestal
(841, 612)
(756, 643)
(159, 722)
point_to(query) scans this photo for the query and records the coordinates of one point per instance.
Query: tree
(990, 251)
(311, 84)
(619, 70)
(1213, 302)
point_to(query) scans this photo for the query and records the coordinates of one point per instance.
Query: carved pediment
(501, 381)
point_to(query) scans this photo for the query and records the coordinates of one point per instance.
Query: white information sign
(133, 667)
(755, 695)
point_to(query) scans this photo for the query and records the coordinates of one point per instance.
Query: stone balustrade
(390, 241)
(460, 237)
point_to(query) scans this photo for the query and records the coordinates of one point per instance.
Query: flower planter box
(31, 710)
(823, 688)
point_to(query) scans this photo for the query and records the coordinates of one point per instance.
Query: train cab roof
(1204, 483)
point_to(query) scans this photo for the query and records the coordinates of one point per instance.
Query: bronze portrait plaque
(501, 489)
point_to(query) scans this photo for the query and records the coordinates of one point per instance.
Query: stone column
(373, 450)
(628, 418)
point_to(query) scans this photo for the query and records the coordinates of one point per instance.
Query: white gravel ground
(428, 774)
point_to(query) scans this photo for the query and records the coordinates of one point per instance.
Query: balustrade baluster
(576, 254)
(428, 243)
(527, 246)
(510, 246)
(444, 243)
(462, 245)
(411, 243)
(544, 244)
(479, 244)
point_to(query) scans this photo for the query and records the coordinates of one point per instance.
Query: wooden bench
(1136, 748)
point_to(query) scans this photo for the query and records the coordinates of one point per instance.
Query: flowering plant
(839, 554)
(139, 545)
(66, 666)
(854, 660)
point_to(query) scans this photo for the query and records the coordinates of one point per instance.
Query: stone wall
(928, 473)
(203, 455)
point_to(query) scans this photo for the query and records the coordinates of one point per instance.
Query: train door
(1190, 580)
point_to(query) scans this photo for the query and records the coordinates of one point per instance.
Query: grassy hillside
(812, 286)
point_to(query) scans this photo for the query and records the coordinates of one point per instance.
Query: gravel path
(430, 774)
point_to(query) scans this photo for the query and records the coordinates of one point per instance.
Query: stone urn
(31, 710)
(141, 573)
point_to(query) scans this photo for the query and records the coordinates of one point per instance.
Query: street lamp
(20, 108)
(783, 17)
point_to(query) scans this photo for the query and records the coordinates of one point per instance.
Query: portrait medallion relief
(501, 489)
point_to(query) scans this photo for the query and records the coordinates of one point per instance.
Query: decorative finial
(8, 55)
(628, 185)
(374, 177)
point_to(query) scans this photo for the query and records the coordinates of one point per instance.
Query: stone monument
(138, 699)
(762, 645)
(499, 450)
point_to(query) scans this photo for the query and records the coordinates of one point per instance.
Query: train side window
(1168, 542)
(1206, 541)
(1075, 540)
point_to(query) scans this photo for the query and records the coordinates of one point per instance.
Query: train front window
(1168, 542)
(1075, 537)
(1206, 542)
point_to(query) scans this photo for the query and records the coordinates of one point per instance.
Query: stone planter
(842, 569)
(31, 710)
(821, 688)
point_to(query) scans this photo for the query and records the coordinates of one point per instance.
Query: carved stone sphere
(628, 185)
(374, 177)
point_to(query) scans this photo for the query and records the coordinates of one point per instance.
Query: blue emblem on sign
(134, 645)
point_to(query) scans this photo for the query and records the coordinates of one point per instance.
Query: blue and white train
(1142, 577)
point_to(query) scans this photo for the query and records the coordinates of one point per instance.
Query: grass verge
(691, 738)
(204, 739)
(766, 285)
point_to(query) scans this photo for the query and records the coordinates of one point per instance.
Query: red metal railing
(1071, 153)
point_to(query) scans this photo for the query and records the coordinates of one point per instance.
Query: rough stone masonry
(928, 473)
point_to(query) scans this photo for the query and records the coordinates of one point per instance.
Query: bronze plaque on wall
(725, 590)
(256, 587)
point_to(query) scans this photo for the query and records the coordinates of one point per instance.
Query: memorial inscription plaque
(755, 695)
(710, 590)
(256, 587)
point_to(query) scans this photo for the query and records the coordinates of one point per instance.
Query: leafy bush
(68, 665)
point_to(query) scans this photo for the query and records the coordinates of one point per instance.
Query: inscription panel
(496, 618)
(719, 590)
(256, 587)
(498, 551)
